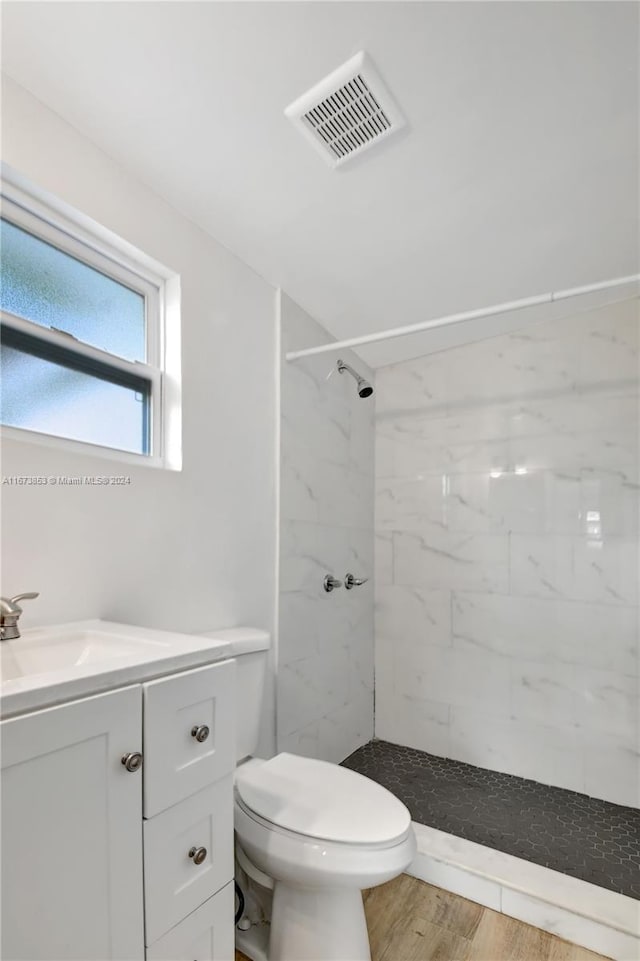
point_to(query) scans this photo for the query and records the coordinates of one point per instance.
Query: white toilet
(314, 833)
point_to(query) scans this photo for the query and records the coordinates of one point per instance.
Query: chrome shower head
(364, 387)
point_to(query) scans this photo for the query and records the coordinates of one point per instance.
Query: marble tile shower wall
(325, 645)
(507, 553)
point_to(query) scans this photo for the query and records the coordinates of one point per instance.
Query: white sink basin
(45, 652)
(48, 665)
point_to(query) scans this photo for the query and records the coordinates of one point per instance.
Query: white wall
(185, 550)
(507, 566)
(325, 676)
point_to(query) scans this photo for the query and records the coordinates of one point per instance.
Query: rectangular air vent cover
(347, 112)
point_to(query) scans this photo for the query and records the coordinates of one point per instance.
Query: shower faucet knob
(350, 581)
(330, 582)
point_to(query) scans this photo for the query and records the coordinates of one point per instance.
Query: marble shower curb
(601, 920)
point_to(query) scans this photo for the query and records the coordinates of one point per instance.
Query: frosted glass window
(53, 398)
(49, 287)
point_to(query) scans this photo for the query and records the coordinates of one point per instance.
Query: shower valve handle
(330, 582)
(351, 581)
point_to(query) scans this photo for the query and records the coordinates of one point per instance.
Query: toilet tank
(250, 648)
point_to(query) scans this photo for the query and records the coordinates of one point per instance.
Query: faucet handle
(29, 596)
(330, 582)
(10, 612)
(350, 581)
(9, 605)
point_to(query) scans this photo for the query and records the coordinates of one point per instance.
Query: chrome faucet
(10, 612)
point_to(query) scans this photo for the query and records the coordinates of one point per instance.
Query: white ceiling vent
(347, 112)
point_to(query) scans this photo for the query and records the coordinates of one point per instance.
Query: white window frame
(98, 248)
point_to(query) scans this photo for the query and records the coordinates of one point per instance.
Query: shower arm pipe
(451, 319)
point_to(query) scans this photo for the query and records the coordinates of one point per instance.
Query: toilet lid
(322, 800)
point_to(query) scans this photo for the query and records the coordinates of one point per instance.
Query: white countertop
(49, 665)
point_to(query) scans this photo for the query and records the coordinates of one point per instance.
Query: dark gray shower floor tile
(569, 832)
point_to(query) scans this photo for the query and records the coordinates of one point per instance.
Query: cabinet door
(206, 935)
(72, 832)
(177, 710)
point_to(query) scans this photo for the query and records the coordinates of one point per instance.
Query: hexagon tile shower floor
(569, 832)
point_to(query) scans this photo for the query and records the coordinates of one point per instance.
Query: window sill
(65, 445)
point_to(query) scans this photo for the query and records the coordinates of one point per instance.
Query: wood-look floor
(409, 920)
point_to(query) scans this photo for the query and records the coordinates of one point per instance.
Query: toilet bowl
(322, 833)
(310, 835)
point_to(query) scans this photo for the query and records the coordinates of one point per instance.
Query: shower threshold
(579, 836)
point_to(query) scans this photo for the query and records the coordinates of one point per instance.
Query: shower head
(364, 387)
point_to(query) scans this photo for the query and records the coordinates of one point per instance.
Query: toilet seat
(318, 800)
(294, 858)
(243, 814)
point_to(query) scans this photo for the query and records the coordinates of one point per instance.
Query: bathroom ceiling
(517, 172)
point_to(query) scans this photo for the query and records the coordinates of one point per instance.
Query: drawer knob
(200, 732)
(132, 761)
(198, 855)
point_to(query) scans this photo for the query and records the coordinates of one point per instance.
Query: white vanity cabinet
(72, 831)
(75, 845)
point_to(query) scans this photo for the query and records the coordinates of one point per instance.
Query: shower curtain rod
(466, 315)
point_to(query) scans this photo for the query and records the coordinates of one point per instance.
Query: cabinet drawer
(178, 710)
(174, 883)
(206, 935)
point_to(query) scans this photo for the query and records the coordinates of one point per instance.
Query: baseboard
(601, 920)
